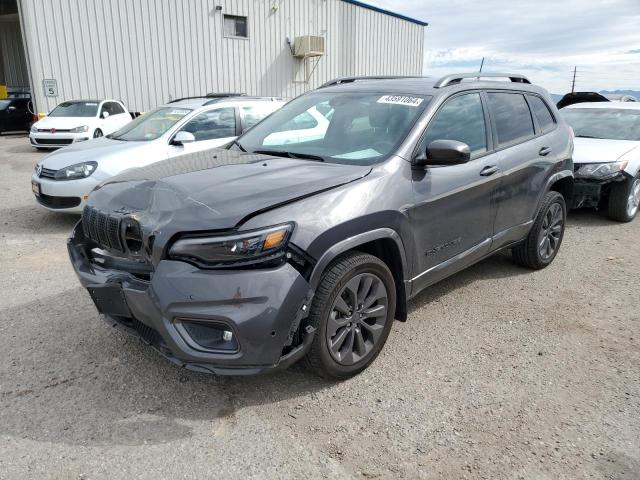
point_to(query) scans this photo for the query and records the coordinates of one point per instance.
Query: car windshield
(612, 123)
(4, 104)
(75, 109)
(349, 127)
(150, 125)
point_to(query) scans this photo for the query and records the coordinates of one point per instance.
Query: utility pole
(481, 64)
(573, 83)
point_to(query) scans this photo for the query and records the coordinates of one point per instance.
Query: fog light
(210, 335)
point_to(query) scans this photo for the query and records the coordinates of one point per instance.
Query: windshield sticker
(91, 104)
(178, 112)
(401, 100)
(357, 155)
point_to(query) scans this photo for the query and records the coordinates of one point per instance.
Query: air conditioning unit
(308, 46)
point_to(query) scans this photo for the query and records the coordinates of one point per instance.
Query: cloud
(540, 38)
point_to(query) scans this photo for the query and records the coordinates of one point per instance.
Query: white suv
(77, 121)
(63, 180)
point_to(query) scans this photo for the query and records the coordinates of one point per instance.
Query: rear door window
(512, 117)
(542, 113)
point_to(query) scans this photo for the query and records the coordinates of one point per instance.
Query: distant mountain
(635, 93)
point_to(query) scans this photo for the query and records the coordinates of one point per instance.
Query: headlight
(79, 170)
(83, 128)
(33, 129)
(234, 250)
(600, 170)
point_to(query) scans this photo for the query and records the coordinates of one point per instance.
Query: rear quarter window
(512, 117)
(542, 113)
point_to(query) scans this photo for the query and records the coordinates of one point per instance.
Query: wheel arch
(384, 243)
(562, 182)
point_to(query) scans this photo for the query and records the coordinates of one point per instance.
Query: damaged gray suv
(306, 237)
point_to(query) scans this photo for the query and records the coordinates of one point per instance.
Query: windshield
(150, 125)
(75, 109)
(4, 104)
(613, 123)
(349, 127)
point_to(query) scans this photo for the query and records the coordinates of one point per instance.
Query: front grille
(53, 141)
(48, 173)
(102, 228)
(58, 202)
(48, 130)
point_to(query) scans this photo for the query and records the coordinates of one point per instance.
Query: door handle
(489, 170)
(544, 151)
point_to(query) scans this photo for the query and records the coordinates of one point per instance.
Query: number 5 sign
(50, 87)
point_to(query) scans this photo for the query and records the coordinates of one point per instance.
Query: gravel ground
(499, 373)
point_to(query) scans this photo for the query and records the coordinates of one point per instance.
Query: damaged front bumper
(260, 311)
(589, 191)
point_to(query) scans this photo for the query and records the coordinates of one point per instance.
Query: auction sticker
(401, 100)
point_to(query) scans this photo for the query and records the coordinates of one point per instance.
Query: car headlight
(79, 170)
(238, 249)
(600, 170)
(34, 129)
(83, 128)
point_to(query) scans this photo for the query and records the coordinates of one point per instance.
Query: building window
(235, 26)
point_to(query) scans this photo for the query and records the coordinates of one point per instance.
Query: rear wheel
(624, 200)
(353, 312)
(97, 133)
(543, 241)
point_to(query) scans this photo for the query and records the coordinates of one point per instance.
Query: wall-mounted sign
(50, 87)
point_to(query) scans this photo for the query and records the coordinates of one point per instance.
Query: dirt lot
(498, 373)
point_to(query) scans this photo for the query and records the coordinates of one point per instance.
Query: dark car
(249, 259)
(16, 115)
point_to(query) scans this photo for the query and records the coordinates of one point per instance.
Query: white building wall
(146, 52)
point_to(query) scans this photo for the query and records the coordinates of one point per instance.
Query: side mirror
(445, 152)
(105, 114)
(183, 137)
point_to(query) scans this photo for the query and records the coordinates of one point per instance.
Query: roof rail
(458, 77)
(242, 97)
(340, 80)
(208, 95)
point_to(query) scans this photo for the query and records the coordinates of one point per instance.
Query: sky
(542, 39)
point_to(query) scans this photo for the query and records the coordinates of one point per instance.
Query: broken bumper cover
(262, 308)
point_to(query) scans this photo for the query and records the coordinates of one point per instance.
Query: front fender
(352, 243)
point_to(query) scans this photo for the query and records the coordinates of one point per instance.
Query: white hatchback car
(606, 156)
(77, 121)
(63, 180)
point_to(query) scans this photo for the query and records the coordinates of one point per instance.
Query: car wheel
(42, 149)
(624, 200)
(352, 312)
(542, 243)
(97, 133)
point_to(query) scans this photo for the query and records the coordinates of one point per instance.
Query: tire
(42, 149)
(356, 340)
(97, 133)
(541, 245)
(624, 199)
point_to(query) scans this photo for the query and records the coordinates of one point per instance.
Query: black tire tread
(526, 253)
(332, 276)
(617, 204)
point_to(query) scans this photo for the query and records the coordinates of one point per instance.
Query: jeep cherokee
(285, 247)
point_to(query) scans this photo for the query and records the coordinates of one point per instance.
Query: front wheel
(542, 243)
(624, 200)
(352, 311)
(97, 133)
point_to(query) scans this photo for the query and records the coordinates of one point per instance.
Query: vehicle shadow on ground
(69, 377)
(33, 219)
(590, 218)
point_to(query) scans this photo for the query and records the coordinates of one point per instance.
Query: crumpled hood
(96, 149)
(215, 189)
(600, 150)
